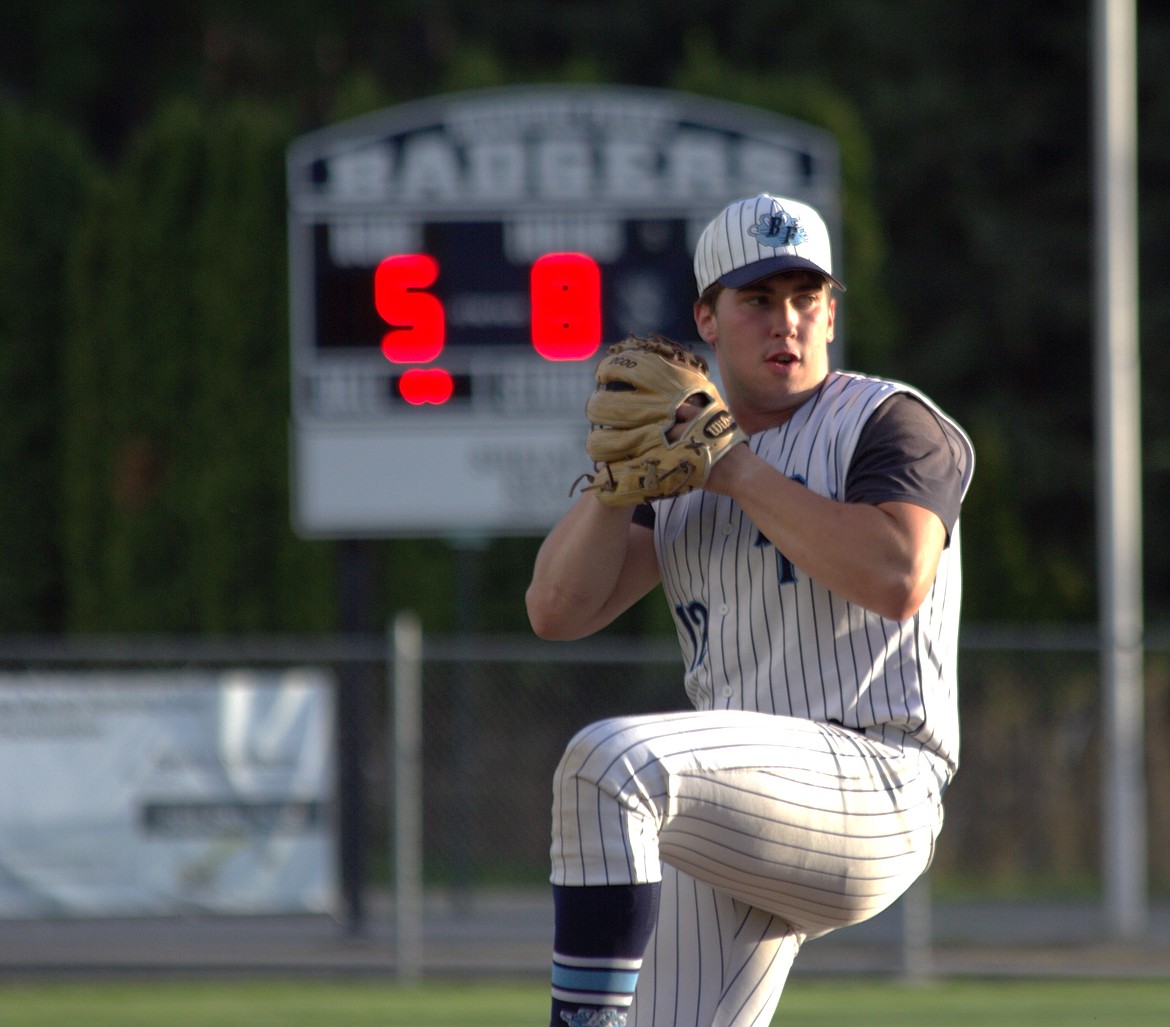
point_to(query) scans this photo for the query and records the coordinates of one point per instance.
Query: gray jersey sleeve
(904, 454)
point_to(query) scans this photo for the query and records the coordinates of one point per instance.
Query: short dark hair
(711, 294)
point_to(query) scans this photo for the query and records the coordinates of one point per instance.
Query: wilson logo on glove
(719, 425)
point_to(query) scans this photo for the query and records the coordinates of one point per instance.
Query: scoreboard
(457, 264)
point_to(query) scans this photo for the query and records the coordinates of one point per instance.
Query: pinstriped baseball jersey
(758, 634)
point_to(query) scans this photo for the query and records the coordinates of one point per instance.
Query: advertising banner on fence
(162, 793)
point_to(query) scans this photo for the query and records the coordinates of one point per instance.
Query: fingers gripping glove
(641, 384)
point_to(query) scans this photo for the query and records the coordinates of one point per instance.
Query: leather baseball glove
(641, 384)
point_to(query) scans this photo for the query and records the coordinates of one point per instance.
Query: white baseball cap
(762, 236)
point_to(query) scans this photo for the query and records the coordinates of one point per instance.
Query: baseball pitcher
(804, 526)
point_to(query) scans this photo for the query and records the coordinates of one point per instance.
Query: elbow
(542, 622)
(893, 610)
(545, 627)
(903, 598)
(548, 617)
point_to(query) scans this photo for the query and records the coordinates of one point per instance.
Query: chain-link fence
(1023, 817)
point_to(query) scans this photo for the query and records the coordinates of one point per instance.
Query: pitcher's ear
(706, 322)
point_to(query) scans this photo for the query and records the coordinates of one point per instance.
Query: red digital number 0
(566, 306)
(417, 323)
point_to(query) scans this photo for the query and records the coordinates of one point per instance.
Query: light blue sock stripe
(605, 981)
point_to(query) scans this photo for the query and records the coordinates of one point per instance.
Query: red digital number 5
(417, 323)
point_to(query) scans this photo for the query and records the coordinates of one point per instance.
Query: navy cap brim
(769, 266)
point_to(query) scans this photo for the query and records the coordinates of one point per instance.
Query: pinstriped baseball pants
(764, 830)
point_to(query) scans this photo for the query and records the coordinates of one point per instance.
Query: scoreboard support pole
(354, 712)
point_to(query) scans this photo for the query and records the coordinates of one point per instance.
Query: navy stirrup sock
(600, 936)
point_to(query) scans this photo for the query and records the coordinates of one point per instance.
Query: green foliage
(250, 573)
(474, 66)
(359, 93)
(44, 177)
(176, 450)
(127, 376)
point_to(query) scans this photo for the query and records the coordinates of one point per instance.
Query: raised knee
(592, 744)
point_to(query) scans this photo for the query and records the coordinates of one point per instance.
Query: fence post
(405, 659)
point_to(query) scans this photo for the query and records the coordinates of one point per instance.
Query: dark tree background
(143, 334)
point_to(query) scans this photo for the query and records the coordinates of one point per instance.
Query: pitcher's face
(771, 340)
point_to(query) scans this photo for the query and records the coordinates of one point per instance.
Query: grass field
(338, 1004)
